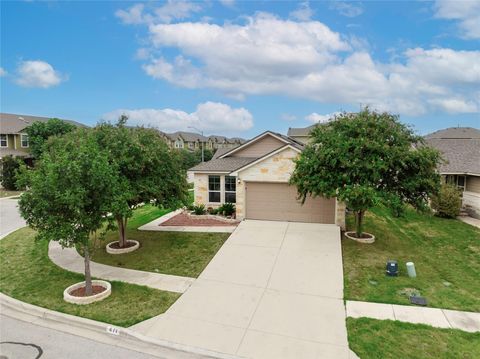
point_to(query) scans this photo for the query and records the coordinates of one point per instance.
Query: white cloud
(171, 10)
(467, 13)
(2, 72)
(303, 13)
(317, 118)
(208, 116)
(38, 74)
(347, 9)
(306, 59)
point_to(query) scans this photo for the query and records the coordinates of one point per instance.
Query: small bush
(227, 209)
(10, 165)
(212, 210)
(447, 202)
(199, 209)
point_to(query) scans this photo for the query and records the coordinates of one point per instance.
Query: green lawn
(179, 253)
(27, 274)
(446, 253)
(384, 339)
(6, 193)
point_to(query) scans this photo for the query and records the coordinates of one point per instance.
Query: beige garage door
(277, 201)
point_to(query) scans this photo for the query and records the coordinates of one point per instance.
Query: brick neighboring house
(460, 147)
(255, 177)
(13, 138)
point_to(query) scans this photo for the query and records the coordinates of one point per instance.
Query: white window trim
(21, 140)
(6, 141)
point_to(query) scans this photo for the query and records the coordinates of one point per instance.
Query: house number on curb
(113, 330)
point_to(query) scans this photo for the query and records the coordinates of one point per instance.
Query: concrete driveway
(274, 290)
(10, 219)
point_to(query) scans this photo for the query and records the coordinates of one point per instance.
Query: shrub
(10, 167)
(212, 210)
(447, 202)
(199, 209)
(227, 209)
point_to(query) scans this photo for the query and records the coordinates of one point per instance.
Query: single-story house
(460, 147)
(255, 177)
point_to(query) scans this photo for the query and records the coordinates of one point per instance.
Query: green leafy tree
(70, 193)
(148, 171)
(192, 158)
(365, 158)
(39, 132)
(448, 201)
(9, 168)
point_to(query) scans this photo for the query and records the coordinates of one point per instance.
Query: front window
(230, 189)
(178, 144)
(213, 189)
(3, 141)
(24, 140)
(456, 180)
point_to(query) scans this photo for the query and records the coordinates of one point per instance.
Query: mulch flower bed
(183, 219)
(80, 292)
(116, 245)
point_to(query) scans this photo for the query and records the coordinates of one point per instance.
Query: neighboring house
(13, 138)
(193, 141)
(254, 176)
(460, 147)
(301, 134)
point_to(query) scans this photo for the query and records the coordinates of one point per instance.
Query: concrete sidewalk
(274, 290)
(10, 219)
(69, 259)
(440, 318)
(470, 220)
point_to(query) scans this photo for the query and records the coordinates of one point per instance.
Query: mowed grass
(446, 253)
(384, 339)
(27, 274)
(178, 253)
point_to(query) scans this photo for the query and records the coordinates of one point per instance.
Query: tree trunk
(122, 231)
(359, 223)
(88, 275)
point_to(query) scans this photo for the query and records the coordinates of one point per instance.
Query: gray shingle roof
(303, 131)
(228, 164)
(14, 123)
(460, 148)
(221, 151)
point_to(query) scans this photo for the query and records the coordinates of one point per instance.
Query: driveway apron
(274, 290)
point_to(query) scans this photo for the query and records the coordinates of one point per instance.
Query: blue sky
(238, 68)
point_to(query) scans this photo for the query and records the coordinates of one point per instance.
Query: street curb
(102, 332)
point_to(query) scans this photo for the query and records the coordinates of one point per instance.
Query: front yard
(384, 339)
(27, 274)
(178, 253)
(446, 253)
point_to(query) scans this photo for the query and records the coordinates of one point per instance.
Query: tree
(448, 201)
(148, 171)
(9, 167)
(39, 132)
(192, 158)
(365, 158)
(69, 193)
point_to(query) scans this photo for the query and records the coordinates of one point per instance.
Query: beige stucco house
(460, 147)
(255, 177)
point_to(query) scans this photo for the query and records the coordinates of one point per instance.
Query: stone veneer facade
(277, 168)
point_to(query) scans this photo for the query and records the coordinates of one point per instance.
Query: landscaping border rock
(368, 240)
(111, 250)
(91, 298)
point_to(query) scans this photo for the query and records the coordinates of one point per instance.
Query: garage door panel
(278, 201)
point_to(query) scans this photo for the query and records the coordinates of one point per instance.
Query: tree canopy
(365, 158)
(39, 132)
(70, 192)
(148, 171)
